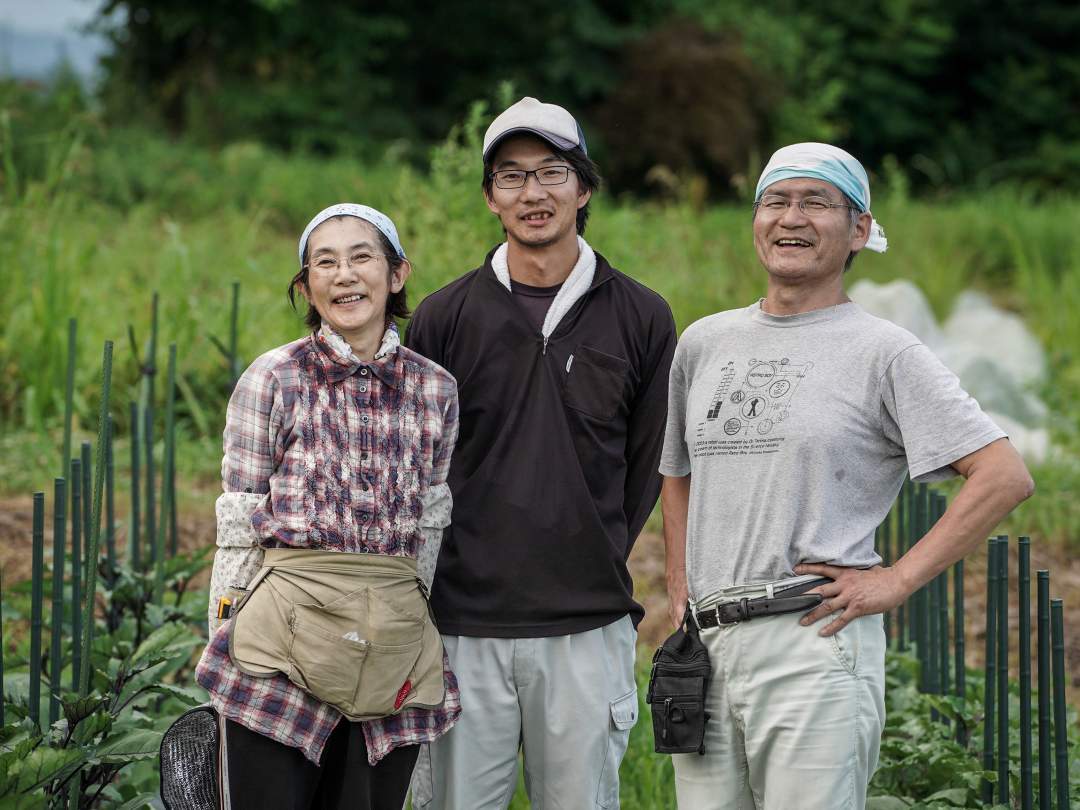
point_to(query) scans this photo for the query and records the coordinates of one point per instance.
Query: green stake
(2, 692)
(95, 523)
(76, 571)
(148, 447)
(901, 538)
(87, 472)
(149, 375)
(56, 619)
(168, 505)
(886, 559)
(110, 506)
(234, 359)
(37, 577)
(1061, 740)
(134, 545)
(1027, 790)
(990, 670)
(1046, 754)
(1003, 669)
(959, 648)
(943, 617)
(159, 547)
(69, 396)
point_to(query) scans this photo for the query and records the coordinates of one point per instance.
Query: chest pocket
(595, 383)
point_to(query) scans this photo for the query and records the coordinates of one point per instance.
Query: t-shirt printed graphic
(747, 409)
(797, 432)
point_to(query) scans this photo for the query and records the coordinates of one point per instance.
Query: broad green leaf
(43, 765)
(954, 796)
(139, 802)
(164, 643)
(90, 727)
(887, 803)
(129, 747)
(78, 708)
(192, 695)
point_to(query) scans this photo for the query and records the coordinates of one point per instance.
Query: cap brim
(554, 140)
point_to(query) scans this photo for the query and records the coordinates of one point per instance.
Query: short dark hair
(396, 302)
(587, 171)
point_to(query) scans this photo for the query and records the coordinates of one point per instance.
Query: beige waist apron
(352, 630)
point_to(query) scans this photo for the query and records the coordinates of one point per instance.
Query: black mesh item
(189, 761)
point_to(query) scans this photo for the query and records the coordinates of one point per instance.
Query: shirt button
(363, 388)
(365, 517)
(364, 419)
(363, 372)
(364, 486)
(363, 456)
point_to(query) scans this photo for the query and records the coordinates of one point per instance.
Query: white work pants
(566, 702)
(796, 719)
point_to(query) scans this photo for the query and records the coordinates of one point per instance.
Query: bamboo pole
(87, 473)
(95, 534)
(901, 549)
(37, 568)
(150, 373)
(56, 662)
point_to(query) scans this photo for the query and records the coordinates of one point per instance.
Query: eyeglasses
(810, 206)
(546, 176)
(328, 264)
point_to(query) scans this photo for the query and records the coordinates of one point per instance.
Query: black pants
(266, 775)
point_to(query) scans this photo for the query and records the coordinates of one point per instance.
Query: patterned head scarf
(381, 221)
(828, 163)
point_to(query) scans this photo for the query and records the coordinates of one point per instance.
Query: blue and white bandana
(377, 218)
(831, 164)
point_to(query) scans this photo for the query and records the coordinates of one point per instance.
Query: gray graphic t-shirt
(797, 432)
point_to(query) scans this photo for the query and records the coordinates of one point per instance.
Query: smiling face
(535, 215)
(349, 278)
(794, 247)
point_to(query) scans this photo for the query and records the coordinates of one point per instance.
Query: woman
(329, 673)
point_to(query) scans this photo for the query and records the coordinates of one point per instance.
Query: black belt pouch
(677, 687)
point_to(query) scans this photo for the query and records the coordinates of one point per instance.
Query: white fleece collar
(575, 286)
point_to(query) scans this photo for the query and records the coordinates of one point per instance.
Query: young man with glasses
(791, 426)
(562, 364)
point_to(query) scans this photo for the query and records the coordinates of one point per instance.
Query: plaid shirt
(343, 452)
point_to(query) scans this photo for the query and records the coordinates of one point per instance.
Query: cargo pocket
(595, 382)
(355, 653)
(624, 712)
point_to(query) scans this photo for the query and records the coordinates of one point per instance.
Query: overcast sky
(36, 34)
(47, 16)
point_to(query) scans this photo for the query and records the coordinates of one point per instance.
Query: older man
(791, 425)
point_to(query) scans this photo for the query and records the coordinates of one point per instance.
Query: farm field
(93, 230)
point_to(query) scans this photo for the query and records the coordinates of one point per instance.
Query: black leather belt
(794, 599)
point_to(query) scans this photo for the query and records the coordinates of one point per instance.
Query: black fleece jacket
(555, 468)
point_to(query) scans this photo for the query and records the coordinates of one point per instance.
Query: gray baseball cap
(549, 121)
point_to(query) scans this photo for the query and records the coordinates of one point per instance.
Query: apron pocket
(326, 665)
(355, 653)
